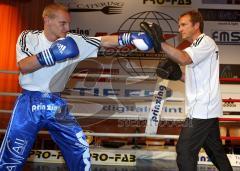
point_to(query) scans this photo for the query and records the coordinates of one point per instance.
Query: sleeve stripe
(22, 43)
(198, 41)
(92, 40)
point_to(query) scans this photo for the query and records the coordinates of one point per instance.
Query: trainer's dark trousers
(197, 134)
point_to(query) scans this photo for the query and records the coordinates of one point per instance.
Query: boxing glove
(140, 40)
(60, 50)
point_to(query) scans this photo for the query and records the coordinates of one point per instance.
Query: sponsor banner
(137, 110)
(231, 107)
(236, 2)
(233, 158)
(134, 111)
(124, 16)
(98, 157)
(117, 157)
(107, 91)
(156, 107)
(226, 37)
(121, 88)
(46, 156)
(229, 71)
(113, 158)
(220, 15)
(223, 26)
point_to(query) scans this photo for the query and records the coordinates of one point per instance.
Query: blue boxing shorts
(33, 111)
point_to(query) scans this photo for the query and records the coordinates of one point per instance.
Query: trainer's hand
(168, 69)
(60, 50)
(139, 39)
(154, 31)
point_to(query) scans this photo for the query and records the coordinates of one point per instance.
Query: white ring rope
(136, 78)
(116, 134)
(84, 75)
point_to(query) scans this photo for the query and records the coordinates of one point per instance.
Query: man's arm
(109, 41)
(179, 56)
(60, 50)
(29, 64)
(155, 32)
(183, 77)
(138, 39)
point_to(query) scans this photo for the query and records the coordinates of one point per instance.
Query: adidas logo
(61, 48)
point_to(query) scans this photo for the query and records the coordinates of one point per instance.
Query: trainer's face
(186, 28)
(59, 25)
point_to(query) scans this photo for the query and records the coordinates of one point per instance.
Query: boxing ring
(119, 152)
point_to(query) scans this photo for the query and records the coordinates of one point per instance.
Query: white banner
(98, 157)
(157, 104)
(121, 157)
(101, 17)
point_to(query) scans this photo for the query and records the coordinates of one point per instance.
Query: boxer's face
(186, 28)
(59, 25)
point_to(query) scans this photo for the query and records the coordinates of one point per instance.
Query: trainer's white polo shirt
(51, 78)
(203, 97)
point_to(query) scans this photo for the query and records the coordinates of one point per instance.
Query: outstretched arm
(109, 41)
(138, 39)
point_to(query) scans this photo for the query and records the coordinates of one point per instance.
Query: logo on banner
(108, 8)
(226, 37)
(168, 2)
(220, 15)
(170, 33)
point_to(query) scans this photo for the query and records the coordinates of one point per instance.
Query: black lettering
(160, 1)
(59, 155)
(117, 157)
(46, 154)
(95, 156)
(181, 2)
(125, 158)
(235, 36)
(38, 153)
(132, 158)
(103, 157)
(188, 2)
(224, 37)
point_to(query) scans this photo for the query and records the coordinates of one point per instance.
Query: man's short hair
(196, 17)
(50, 9)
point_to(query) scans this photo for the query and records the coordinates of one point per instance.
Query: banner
(102, 17)
(98, 157)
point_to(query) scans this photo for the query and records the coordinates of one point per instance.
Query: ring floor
(142, 165)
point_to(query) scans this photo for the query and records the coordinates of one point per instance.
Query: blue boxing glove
(60, 50)
(139, 39)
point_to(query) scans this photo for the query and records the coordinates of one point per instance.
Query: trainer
(46, 60)
(203, 97)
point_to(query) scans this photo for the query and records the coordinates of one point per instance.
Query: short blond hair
(50, 9)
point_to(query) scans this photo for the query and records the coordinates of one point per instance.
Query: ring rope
(145, 77)
(230, 79)
(117, 134)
